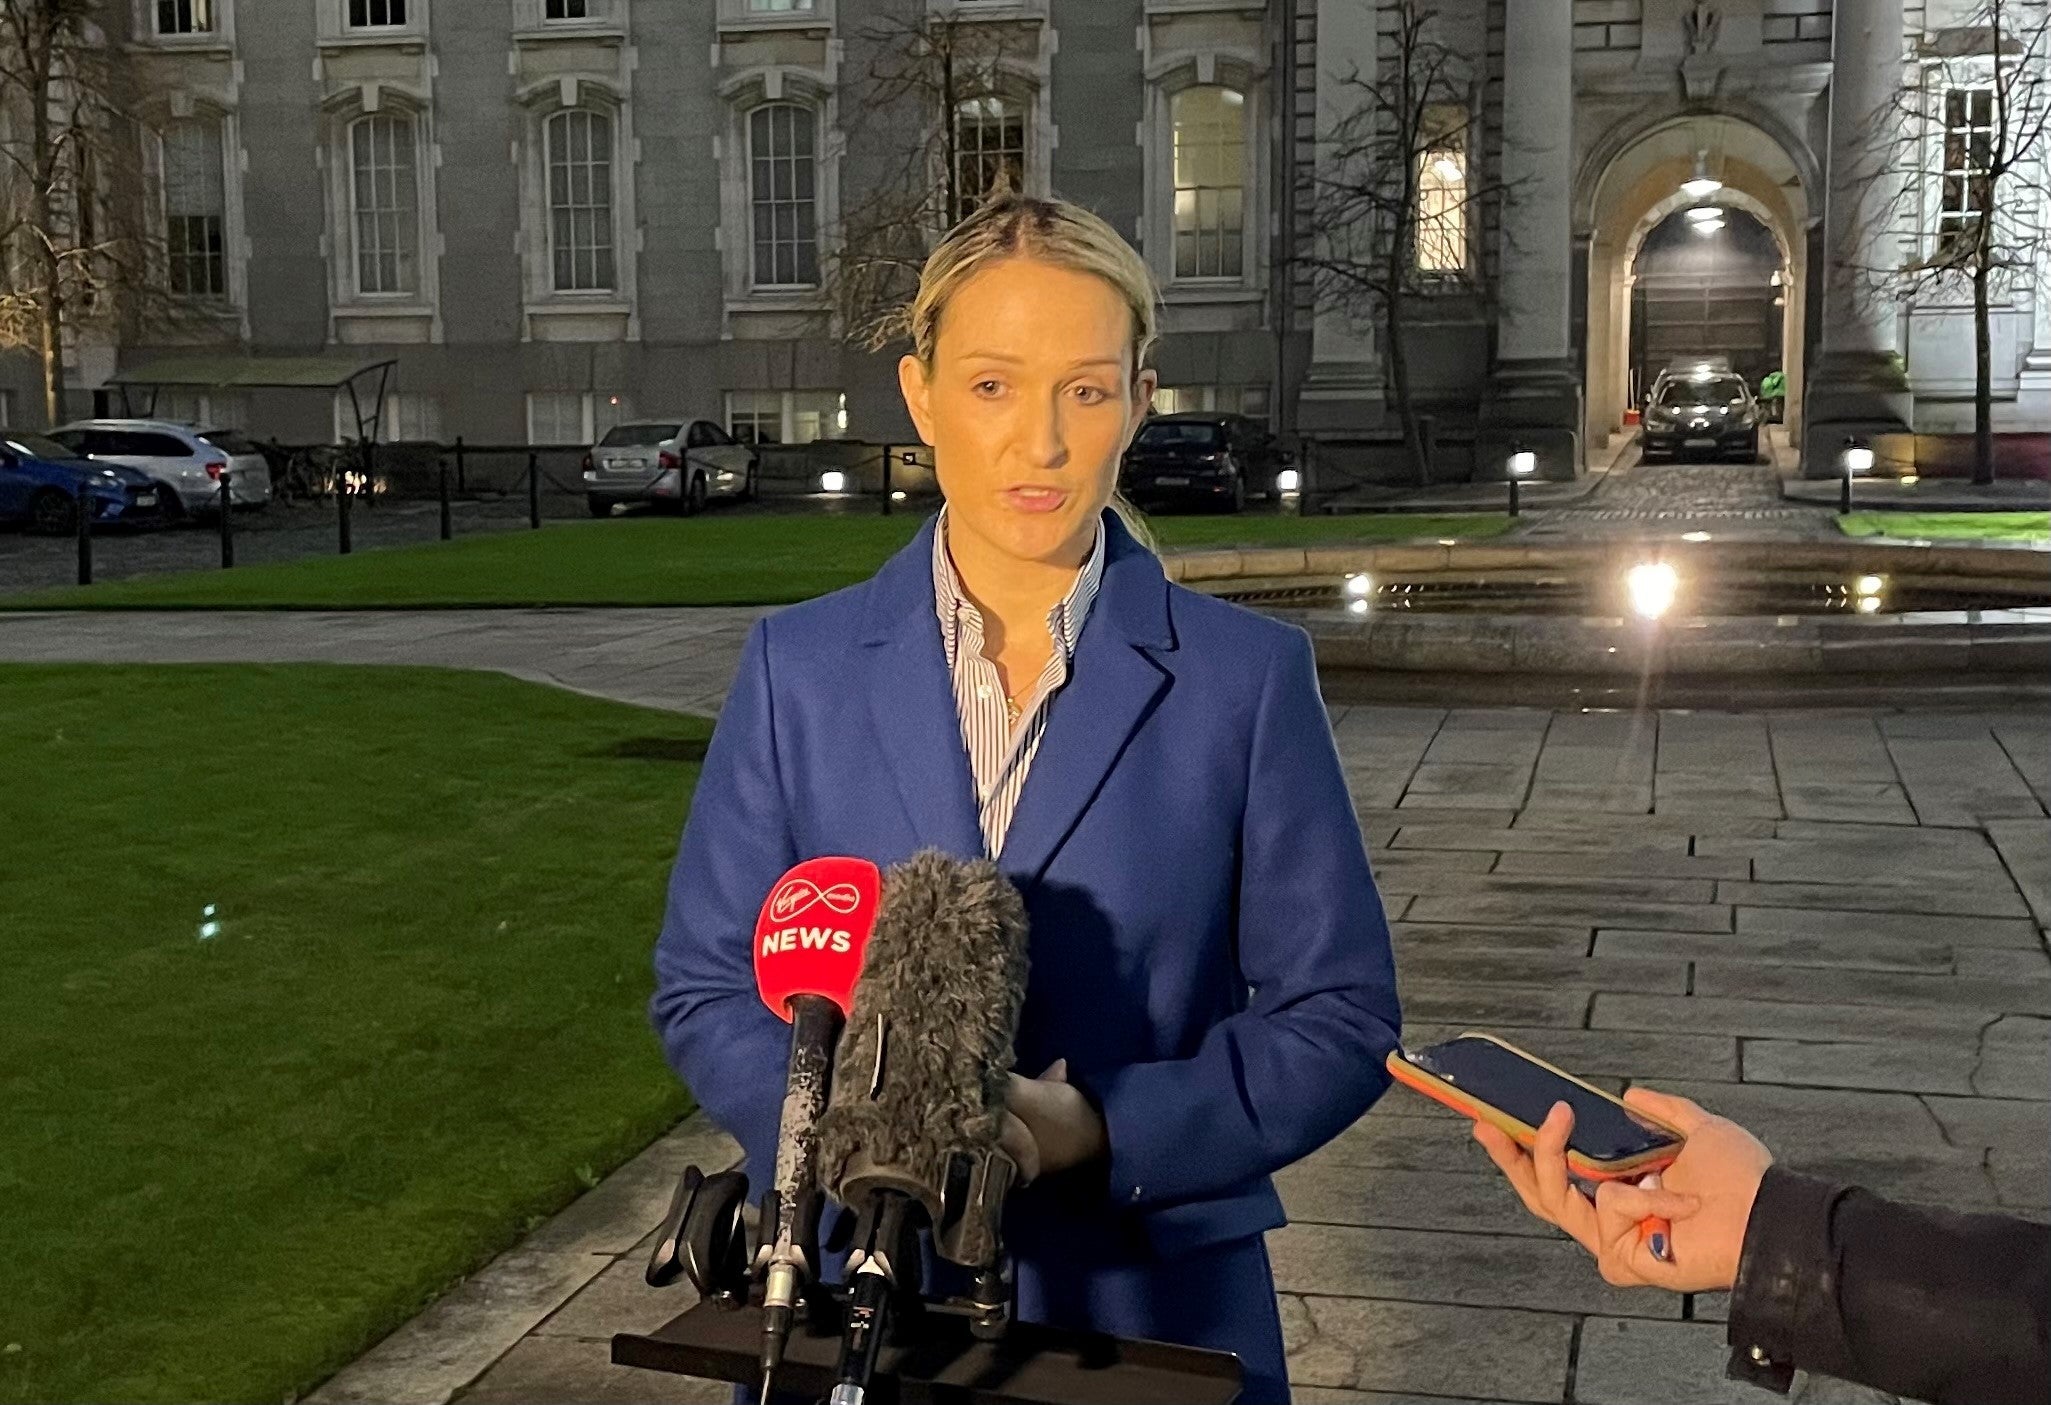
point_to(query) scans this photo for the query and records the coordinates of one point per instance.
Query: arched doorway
(1631, 185)
(1706, 282)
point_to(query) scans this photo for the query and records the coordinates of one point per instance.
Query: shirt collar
(1064, 621)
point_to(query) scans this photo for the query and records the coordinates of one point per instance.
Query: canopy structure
(335, 371)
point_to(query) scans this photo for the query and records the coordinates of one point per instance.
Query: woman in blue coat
(1211, 991)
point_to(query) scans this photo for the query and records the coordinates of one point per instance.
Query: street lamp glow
(1694, 536)
(1356, 607)
(1288, 481)
(1869, 604)
(1868, 585)
(1359, 585)
(1702, 214)
(1858, 459)
(1652, 587)
(832, 481)
(1707, 226)
(1523, 463)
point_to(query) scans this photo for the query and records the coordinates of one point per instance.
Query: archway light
(1702, 183)
(1703, 214)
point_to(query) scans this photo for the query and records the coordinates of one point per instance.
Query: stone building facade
(555, 213)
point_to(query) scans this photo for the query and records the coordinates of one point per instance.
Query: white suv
(188, 461)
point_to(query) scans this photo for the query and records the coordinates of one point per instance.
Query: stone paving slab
(1830, 923)
(1856, 952)
(1480, 1353)
(2025, 847)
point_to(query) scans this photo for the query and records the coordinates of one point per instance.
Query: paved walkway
(1830, 925)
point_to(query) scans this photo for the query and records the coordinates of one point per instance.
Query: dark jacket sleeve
(1937, 1306)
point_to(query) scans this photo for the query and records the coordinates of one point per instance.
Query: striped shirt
(1001, 752)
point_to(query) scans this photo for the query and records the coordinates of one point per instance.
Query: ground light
(1522, 464)
(1652, 587)
(1288, 481)
(832, 482)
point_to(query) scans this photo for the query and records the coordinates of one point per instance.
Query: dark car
(41, 483)
(1201, 460)
(1701, 411)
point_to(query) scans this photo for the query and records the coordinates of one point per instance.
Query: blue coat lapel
(910, 702)
(1115, 683)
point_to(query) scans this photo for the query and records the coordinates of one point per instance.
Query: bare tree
(75, 245)
(1963, 150)
(929, 110)
(1399, 196)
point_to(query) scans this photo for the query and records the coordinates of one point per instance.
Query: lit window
(1442, 194)
(384, 202)
(1968, 152)
(781, 189)
(1210, 182)
(785, 416)
(185, 16)
(580, 201)
(989, 145)
(195, 209)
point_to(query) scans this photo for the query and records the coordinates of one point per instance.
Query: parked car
(42, 481)
(1202, 459)
(186, 460)
(669, 462)
(1700, 412)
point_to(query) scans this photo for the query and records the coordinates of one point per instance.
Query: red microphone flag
(813, 927)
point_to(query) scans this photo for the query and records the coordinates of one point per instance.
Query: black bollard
(1514, 504)
(448, 528)
(85, 532)
(343, 492)
(1844, 493)
(227, 522)
(459, 465)
(533, 489)
(889, 452)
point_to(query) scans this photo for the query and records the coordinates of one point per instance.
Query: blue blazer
(1208, 949)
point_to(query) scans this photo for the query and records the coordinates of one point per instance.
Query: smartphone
(1489, 1079)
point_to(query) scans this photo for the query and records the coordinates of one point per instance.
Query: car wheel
(1753, 455)
(694, 496)
(600, 507)
(753, 492)
(54, 513)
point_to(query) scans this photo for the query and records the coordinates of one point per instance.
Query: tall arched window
(783, 195)
(195, 208)
(384, 204)
(1210, 181)
(989, 141)
(580, 200)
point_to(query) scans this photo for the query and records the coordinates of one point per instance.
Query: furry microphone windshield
(920, 1074)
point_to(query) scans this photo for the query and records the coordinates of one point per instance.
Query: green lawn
(231, 1162)
(719, 559)
(1949, 526)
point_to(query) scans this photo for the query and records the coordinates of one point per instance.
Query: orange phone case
(1467, 1105)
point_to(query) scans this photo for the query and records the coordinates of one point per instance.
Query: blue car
(41, 482)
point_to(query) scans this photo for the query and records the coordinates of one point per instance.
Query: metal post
(1514, 505)
(442, 465)
(533, 489)
(85, 531)
(343, 493)
(459, 465)
(889, 452)
(1844, 493)
(227, 522)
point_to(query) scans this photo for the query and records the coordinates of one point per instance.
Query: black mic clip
(704, 1237)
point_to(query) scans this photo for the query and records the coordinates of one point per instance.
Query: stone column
(1856, 386)
(1535, 391)
(1342, 387)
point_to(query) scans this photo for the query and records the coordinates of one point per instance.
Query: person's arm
(1279, 1079)
(1930, 1304)
(726, 1045)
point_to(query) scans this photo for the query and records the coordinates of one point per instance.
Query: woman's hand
(1706, 1195)
(1049, 1125)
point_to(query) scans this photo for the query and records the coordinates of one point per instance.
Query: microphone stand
(789, 1254)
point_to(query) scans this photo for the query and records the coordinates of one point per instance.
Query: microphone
(809, 944)
(910, 1132)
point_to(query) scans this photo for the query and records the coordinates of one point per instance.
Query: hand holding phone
(1599, 1138)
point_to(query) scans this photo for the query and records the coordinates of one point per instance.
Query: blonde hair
(1010, 225)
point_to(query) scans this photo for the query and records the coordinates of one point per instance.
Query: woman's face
(1029, 407)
